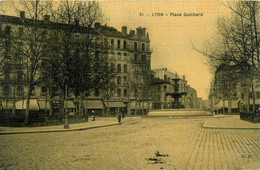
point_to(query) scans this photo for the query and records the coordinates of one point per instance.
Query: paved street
(180, 143)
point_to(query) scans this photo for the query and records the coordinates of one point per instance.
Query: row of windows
(112, 42)
(8, 31)
(119, 67)
(119, 92)
(136, 58)
(159, 98)
(164, 88)
(19, 75)
(139, 68)
(20, 90)
(119, 80)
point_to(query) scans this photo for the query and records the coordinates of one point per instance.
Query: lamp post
(66, 123)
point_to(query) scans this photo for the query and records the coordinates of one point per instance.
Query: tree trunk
(81, 98)
(248, 100)
(229, 106)
(223, 107)
(51, 107)
(26, 120)
(13, 108)
(135, 107)
(253, 97)
(107, 108)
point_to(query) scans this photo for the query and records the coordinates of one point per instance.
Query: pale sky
(171, 36)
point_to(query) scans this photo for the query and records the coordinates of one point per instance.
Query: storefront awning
(70, 105)
(93, 104)
(42, 105)
(234, 104)
(8, 105)
(116, 104)
(21, 104)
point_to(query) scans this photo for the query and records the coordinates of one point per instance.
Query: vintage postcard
(129, 84)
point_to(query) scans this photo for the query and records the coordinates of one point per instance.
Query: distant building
(162, 83)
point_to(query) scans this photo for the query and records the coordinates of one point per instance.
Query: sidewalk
(99, 122)
(229, 122)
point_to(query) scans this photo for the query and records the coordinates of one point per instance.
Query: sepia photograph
(129, 84)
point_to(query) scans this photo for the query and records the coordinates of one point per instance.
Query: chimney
(139, 31)
(76, 22)
(124, 30)
(97, 24)
(132, 33)
(144, 32)
(183, 77)
(47, 18)
(22, 14)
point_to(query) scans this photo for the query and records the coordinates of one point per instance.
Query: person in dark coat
(119, 116)
(93, 115)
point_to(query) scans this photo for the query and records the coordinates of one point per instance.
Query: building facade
(127, 52)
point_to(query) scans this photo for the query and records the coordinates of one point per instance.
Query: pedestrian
(119, 116)
(123, 114)
(93, 115)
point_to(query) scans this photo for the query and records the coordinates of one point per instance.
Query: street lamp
(66, 122)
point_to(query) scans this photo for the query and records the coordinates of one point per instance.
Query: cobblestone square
(139, 143)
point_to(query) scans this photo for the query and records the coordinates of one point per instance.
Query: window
(96, 93)
(143, 46)
(159, 88)
(119, 92)
(19, 75)
(21, 32)
(125, 79)
(124, 44)
(125, 68)
(105, 55)
(143, 58)
(165, 98)
(165, 77)
(135, 92)
(135, 45)
(6, 90)
(7, 74)
(125, 92)
(7, 30)
(118, 44)
(96, 54)
(19, 90)
(106, 43)
(118, 80)
(32, 90)
(44, 91)
(112, 43)
(258, 95)
(119, 68)
(136, 58)
(112, 67)
(119, 55)
(159, 97)
(165, 88)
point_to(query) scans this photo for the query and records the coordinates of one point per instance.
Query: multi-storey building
(129, 53)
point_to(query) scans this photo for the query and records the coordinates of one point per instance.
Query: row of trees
(56, 57)
(236, 47)
(63, 56)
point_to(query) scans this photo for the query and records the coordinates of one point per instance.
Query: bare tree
(237, 42)
(34, 33)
